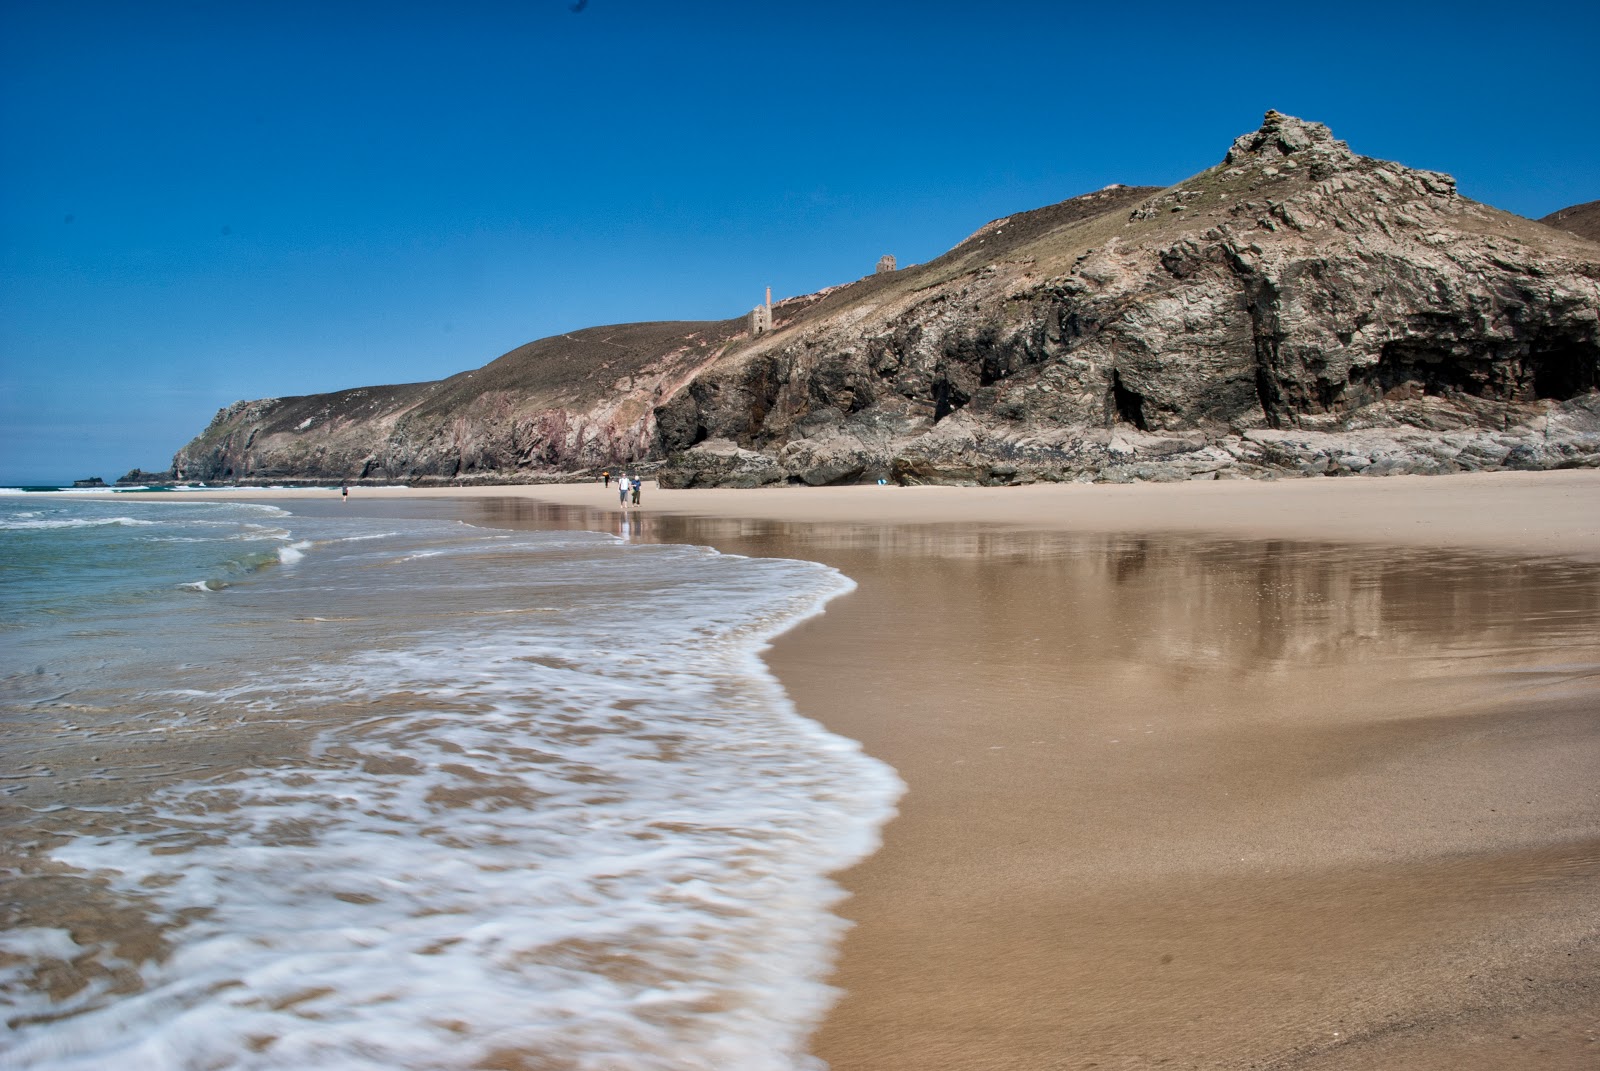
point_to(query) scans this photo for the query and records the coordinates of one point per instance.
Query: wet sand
(1210, 805)
(1295, 775)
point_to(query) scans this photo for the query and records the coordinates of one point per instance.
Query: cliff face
(560, 404)
(1297, 308)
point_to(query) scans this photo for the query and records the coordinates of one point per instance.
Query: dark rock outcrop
(141, 478)
(1296, 309)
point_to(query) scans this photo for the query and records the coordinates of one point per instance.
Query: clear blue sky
(204, 202)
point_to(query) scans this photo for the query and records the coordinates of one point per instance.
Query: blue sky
(204, 202)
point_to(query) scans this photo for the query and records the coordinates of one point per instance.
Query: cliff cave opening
(1268, 396)
(1565, 372)
(1416, 368)
(1556, 372)
(1129, 404)
(947, 398)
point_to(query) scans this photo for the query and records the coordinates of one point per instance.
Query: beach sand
(1302, 774)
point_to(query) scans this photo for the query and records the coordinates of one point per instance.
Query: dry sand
(1224, 775)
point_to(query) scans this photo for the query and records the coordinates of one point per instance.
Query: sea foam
(551, 804)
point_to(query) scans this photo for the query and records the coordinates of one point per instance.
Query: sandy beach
(1298, 774)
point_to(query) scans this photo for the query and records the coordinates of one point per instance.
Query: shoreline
(1557, 513)
(1295, 774)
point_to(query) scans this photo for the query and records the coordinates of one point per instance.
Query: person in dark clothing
(636, 489)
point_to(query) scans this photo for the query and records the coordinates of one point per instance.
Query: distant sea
(349, 793)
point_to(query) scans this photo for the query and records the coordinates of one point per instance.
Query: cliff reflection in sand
(1245, 606)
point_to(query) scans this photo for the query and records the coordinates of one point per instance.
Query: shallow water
(335, 791)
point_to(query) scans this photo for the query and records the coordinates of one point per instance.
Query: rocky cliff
(557, 405)
(1296, 308)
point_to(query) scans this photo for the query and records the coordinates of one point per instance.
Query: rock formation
(1295, 309)
(141, 478)
(561, 404)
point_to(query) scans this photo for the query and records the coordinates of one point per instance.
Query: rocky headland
(1296, 309)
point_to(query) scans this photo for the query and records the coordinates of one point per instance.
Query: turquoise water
(343, 792)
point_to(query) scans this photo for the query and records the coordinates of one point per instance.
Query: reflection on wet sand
(1199, 801)
(1237, 605)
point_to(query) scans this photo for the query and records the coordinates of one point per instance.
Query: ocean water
(340, 792)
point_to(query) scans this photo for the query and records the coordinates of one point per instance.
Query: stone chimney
(885, 263)
(761, 316)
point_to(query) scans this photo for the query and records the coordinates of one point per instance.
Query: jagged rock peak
(1284, 136)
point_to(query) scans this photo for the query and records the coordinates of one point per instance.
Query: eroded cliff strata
(1295, 309)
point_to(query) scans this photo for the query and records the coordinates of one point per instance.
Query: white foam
(601, 834)
(364, 538)
(25, 523)
(39, 942)
(291, 553)
(419, 555)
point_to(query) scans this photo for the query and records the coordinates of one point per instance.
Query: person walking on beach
(622, 491)
(635, 480)
(606, 476)
(345, 492)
